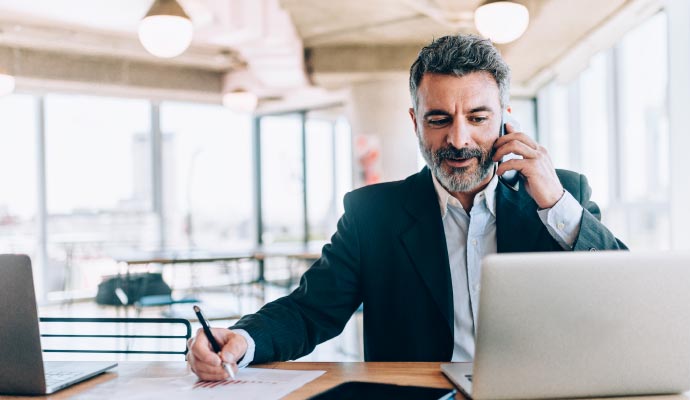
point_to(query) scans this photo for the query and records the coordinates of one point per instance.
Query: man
(410, 251)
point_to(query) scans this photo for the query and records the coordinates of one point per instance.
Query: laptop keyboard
(54, 378)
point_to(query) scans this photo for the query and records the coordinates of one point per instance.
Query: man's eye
(478, 120)
(438, 121)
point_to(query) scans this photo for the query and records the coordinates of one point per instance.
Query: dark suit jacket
(389, 254)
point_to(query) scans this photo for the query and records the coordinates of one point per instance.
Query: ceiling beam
(361, 59)
(37, 70)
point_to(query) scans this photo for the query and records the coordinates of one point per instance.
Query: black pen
(212, 340)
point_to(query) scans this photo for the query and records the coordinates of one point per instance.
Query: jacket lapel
(518, 226)
(425, 241)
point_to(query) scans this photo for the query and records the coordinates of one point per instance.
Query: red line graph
(213, 384)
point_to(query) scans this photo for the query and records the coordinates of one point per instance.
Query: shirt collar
(445, 199)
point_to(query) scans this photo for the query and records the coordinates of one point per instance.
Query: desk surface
(425, 374)
(405, 373)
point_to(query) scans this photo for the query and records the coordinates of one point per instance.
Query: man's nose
(459, 135)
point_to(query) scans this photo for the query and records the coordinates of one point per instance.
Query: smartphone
(509, 178)
(370, 390)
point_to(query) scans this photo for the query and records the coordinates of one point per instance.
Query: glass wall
(327, 161)
(595, 127)
(642, 100)
(644, 136)
(107, 193)
(329, 170)
(611, 124)
(320, 178)
(282, 178)
(98, 163)
(100, 182)
(18, 177)
(343, 163)
(208, 185)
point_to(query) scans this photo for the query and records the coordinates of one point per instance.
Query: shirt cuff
(563, 220)
(251, 346)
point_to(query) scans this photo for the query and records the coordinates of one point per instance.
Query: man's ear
(414, 120)
(509, 109)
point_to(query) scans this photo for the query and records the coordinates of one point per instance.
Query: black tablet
(371, 390)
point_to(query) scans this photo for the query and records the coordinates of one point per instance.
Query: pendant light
(241, 100)
(501, 21)
(166, 31)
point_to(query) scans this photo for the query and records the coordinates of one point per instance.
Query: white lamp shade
(501, 21)
(6, 84)
(165, 36)
(241, 101)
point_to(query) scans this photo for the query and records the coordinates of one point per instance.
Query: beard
(458, 179)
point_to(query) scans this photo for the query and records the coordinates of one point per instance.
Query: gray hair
(460, 55)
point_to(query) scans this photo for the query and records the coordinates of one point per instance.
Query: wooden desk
(422, 374)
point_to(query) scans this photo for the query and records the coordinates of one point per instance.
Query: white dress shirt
(469, 237)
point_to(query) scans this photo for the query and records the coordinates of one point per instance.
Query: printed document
(251, 383)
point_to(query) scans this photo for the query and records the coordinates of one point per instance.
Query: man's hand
(536, 167)
(205, 363)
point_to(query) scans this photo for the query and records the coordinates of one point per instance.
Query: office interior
(250, 137)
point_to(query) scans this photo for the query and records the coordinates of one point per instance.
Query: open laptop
(22, 370)
(580, 324)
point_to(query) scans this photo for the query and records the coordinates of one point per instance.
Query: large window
(611, 124)
(327, 163)
(343, 162)
(98, 180)
(208, 184)
(97, 154)
(92, 178)
(320, 178)
(595, 127)
(555, 124)
(642, 96)
(282, 179)
(18, 202)
(329, 171)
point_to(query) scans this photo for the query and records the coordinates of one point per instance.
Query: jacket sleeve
(593, 234)
(328, 294)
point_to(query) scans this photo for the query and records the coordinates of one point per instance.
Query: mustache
(453, 153)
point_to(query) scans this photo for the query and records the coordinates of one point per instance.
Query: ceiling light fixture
(241, 100)
(501, 21)
(166, 31)
(6, 84)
